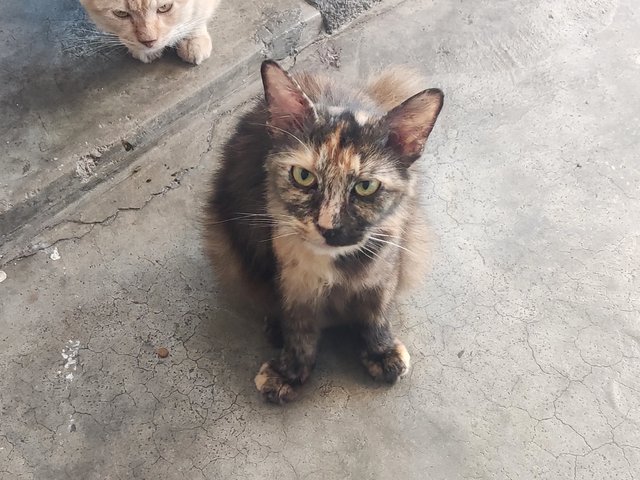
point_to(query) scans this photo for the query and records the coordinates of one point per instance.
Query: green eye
(303, 177)
(164, 8)
(121, 13)
(367, 187)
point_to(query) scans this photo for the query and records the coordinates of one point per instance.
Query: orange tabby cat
(146, 27)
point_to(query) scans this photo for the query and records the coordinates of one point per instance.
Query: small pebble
(162, 352)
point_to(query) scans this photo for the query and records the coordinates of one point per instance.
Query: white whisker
(372, 237)
(261, 220)
(289, 234)
(284, 131)
(369, 253)
(183, 31)
(377, 234)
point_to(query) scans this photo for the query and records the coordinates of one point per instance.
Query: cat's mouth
(322, 245)
(144, 47)
(152, 48)
(333, 251)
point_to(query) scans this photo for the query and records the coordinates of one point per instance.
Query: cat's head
(143, 26)
(336, 176)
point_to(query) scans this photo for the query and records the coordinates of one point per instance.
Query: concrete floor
(525, 340)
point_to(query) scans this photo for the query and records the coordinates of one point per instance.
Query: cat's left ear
(288, 106)
(411, 122)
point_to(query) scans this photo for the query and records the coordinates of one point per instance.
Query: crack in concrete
(108, 220)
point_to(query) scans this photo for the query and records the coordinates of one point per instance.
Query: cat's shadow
(236, 333)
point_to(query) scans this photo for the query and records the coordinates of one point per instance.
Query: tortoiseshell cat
(315, 207)
(146, 27)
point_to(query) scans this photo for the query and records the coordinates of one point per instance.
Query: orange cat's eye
(165, 7)
(121, 13)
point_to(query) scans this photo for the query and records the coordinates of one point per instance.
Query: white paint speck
(3, 276)
(72, 424)
(55, 255)
(70, 356)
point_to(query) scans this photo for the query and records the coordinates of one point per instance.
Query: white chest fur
(305, 276)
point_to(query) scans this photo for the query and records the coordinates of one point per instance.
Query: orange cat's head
(146, 27)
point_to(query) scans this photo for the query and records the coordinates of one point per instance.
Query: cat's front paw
(273, 386)
(195, 49)
(389, 365)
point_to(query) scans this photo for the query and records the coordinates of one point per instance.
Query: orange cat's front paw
(195, 49)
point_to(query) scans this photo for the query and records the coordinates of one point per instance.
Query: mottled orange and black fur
(324, 253)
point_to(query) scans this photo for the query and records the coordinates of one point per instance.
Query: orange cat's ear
(411, 122)
(288, 106)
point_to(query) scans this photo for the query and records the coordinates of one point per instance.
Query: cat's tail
(396, 84)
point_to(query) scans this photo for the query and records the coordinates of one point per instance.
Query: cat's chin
(147, 55)
(331, 251)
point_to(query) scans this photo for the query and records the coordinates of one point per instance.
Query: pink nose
(148, 43)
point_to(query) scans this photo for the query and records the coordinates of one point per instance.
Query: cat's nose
(148, 43)
(335, 236)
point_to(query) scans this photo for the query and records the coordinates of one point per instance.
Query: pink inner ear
(411, 122)
(407, 143)
(288, 108)
(287, 104)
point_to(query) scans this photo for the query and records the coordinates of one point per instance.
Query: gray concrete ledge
(337, 13)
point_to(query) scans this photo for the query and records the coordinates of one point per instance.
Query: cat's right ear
(288, 106)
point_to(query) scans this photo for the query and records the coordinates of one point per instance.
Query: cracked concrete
(525, 339)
